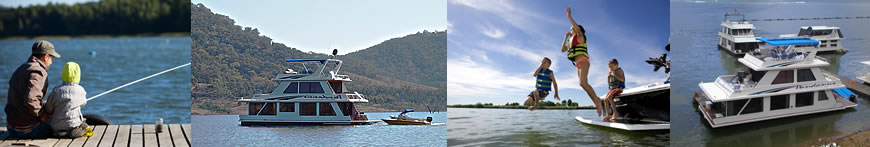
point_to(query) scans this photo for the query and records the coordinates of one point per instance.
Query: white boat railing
(726, 82)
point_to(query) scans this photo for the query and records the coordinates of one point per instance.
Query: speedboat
(779, 81)
(829, 37)
(737, 35)
(315, 95)
(404, 119)
(642, 108)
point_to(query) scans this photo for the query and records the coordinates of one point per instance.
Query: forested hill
(106, 17)
(231, 61)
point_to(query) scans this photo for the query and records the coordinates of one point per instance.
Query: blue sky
(321, 25)
(493, 47)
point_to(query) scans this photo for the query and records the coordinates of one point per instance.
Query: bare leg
(528, 101)
(583, 73)
(612, 106)
(606, 108)
(535, 100)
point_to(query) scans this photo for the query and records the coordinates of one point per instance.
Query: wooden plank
(186, 128)
(78, 142)
(63, 142)
(164, 138)
(178, 138)
(136, 136)
(150, 136)
(123, 136)
(109, 136)
(44, 142)
(98, 134)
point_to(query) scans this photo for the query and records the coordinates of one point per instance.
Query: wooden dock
(173, 135)
(854, 86)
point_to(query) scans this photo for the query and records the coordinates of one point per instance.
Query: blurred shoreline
(167, 34)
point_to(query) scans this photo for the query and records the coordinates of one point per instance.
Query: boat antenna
(136, 81)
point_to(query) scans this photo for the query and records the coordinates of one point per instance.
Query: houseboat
(737, 36)
(315, 95)
(829, 37)
(780, 81)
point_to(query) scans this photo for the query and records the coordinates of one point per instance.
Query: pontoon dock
(115, 135)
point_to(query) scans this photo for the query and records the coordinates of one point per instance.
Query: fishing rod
(136, 81)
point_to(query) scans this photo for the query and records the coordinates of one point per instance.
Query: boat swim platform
(177, 135)
(856, 87)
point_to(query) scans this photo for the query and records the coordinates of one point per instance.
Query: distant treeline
(106, 17)
(565, 104)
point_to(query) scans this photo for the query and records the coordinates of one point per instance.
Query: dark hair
(613, 61)
(583, 31)
(548, 59)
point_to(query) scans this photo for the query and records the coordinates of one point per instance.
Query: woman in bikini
(578, 55)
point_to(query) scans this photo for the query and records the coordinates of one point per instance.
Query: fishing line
(128, 84)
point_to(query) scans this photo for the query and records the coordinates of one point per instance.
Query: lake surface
(225, 130)
(521, 127)
(694, 25)
(117, 61)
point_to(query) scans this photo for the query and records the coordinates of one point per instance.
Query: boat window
(346, 108)
(732, 107)
(803, 99)
(833, 41)
(336, 86)
(833, 45)
(755, 105)
(269, 110)
(779, 102)
(254, 107)
(310, 87)
(840, 33)
(823, 45)
(755, 75)
(293, 88)
(307, 109)
(784, 76)
(326, 109)
(823, 95)
(287, 107)
(824, 41)
(805, 75)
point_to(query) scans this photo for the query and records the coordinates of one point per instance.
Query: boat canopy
(306, 60)
(790, 41)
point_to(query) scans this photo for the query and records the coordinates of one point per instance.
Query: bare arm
(555, 86)
(536, 71)
(577, 32)
(565, 40)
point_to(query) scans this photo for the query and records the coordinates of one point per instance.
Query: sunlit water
(697, 59)
(117, 61)
(520, 127)
(225, 130)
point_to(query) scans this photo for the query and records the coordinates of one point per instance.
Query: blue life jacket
(543, 80)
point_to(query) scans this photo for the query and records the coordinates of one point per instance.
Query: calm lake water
(117, 61)
(521, 127)
(224, 130)
(696, 59)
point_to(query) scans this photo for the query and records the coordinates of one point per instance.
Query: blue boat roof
(304, 60)
(789, 41)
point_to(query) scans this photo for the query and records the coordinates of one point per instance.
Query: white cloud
(520, 18)
(493, 33)
(468, 79)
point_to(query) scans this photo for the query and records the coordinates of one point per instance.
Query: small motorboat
(404, 119)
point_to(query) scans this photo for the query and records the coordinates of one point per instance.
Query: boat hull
(284, 123)
(650, 104)
(726, 121)
(627, 125)
(405, 122)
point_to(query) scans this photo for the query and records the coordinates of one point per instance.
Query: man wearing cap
(27, 87)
